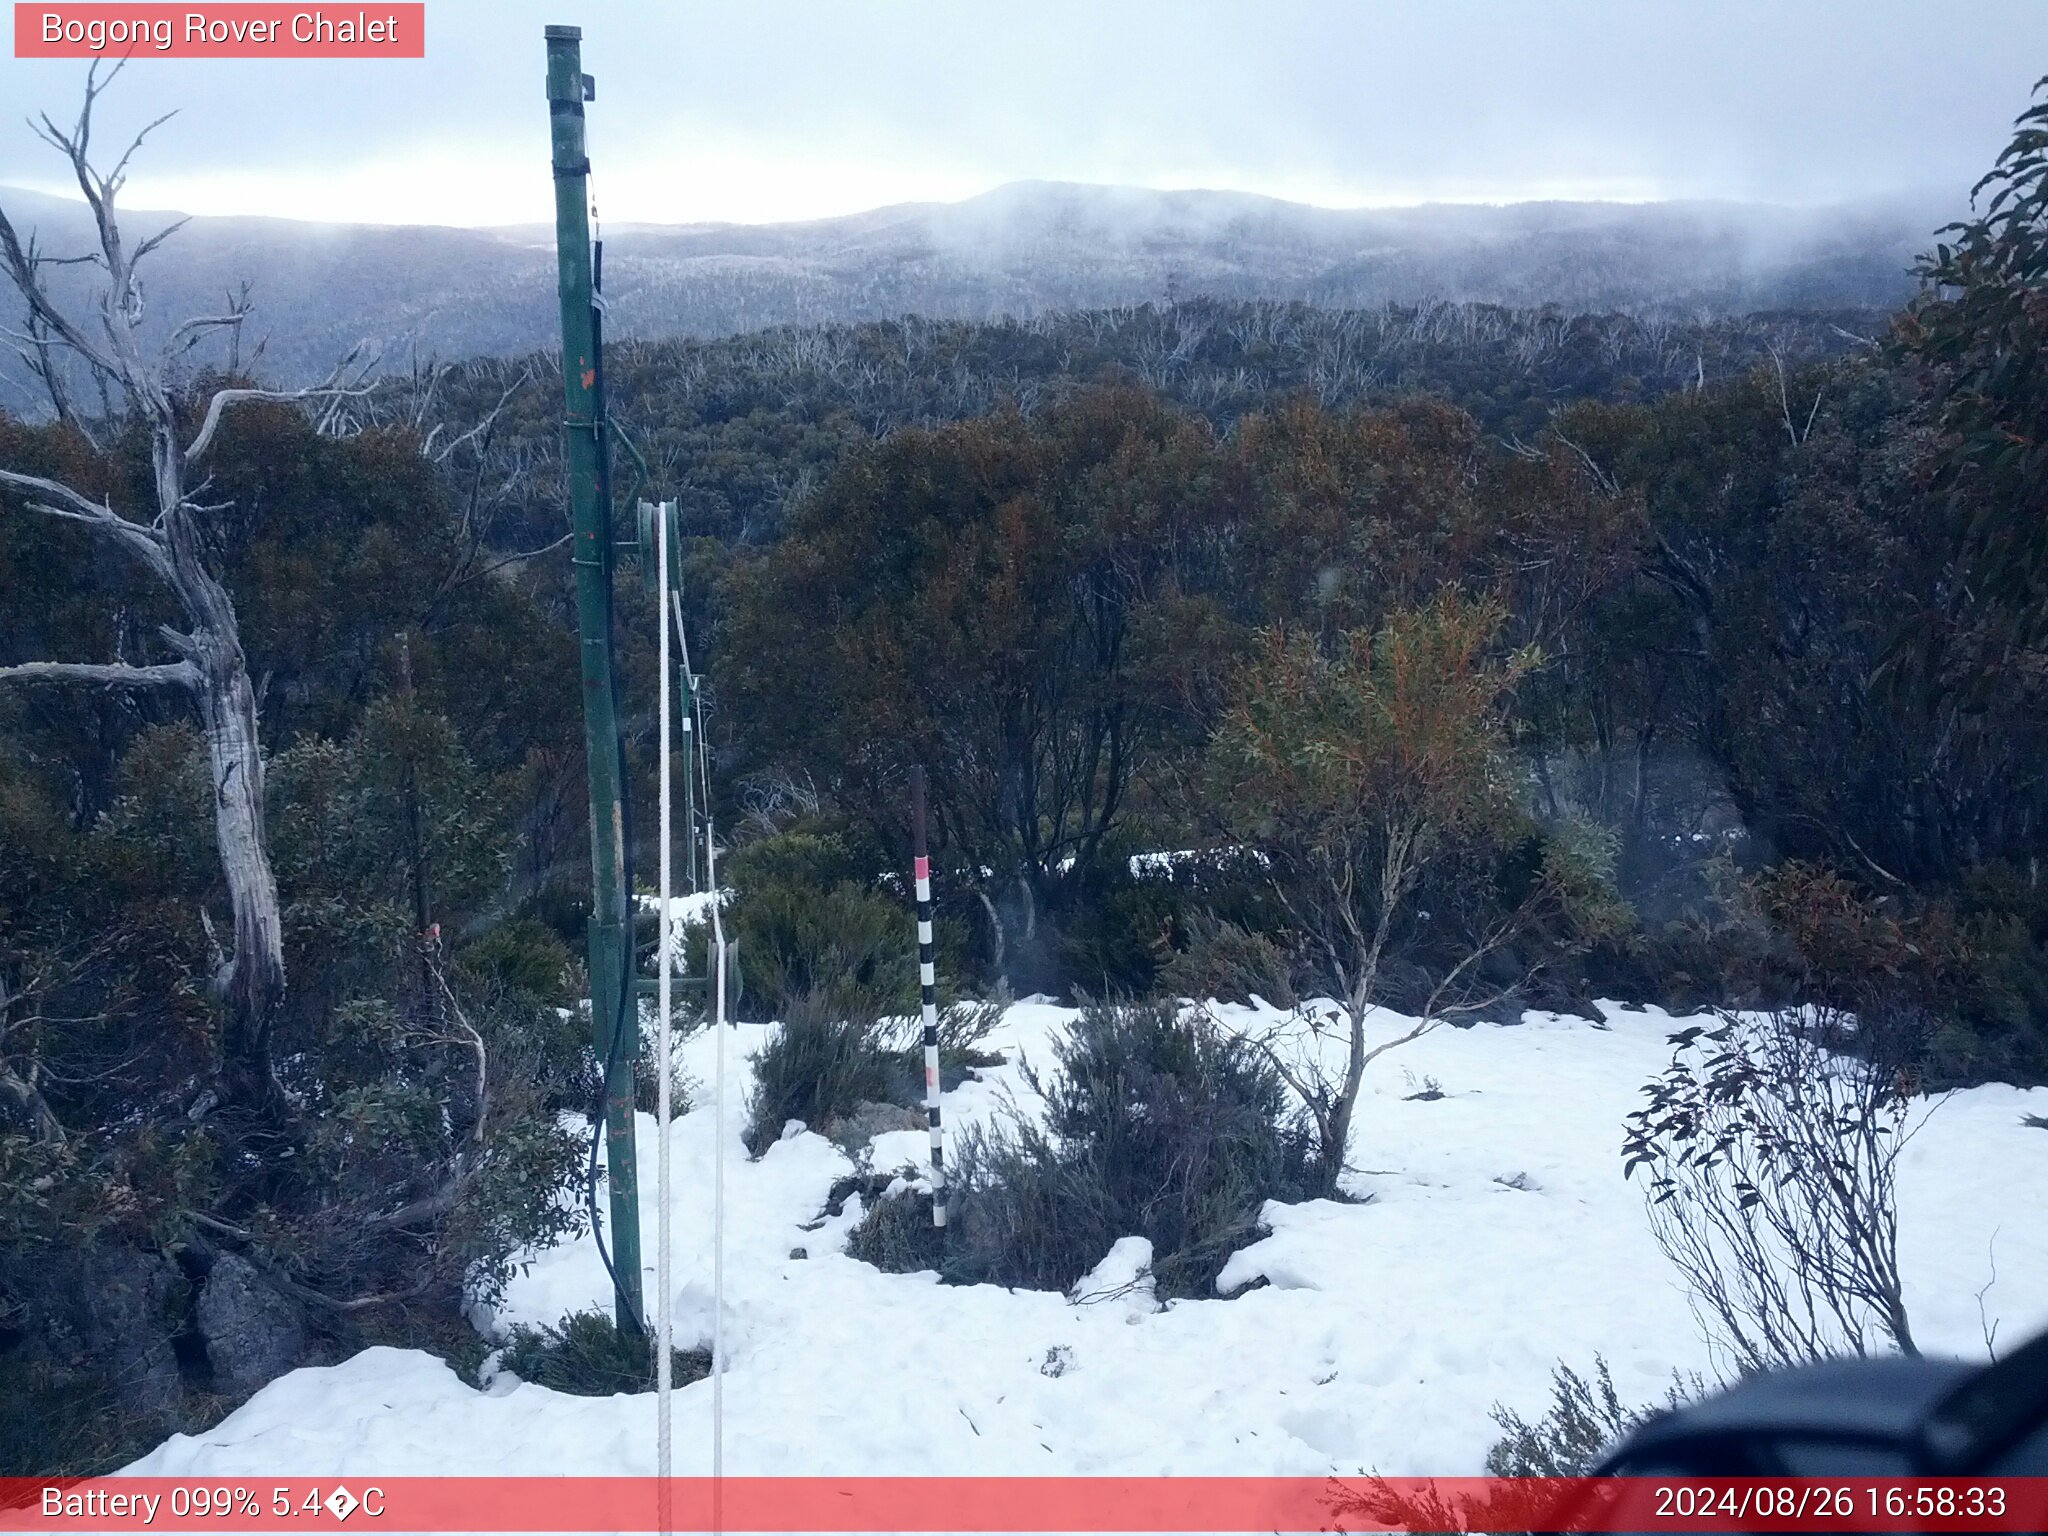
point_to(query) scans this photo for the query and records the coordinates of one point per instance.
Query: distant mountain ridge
(1020, 250)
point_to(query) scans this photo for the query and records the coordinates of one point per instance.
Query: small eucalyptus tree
(168, 536)
(1359, 770)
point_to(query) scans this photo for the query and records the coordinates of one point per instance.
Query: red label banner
(1012, 1504)
(240, 31)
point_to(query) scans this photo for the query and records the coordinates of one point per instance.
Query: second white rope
(664, 1290)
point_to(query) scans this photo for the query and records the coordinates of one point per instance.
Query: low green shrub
(817, 1067)
(587, 1354)
(1233, 964)
(812, 932)
(524, 956)
(1584, 1419)
(1156, 1125)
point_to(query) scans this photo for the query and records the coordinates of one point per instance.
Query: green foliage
(819, 1066)
(1029, 551)
(1980, 328)
(1128, 921)
(409, 719)
(1358, 768)
(842, 950)
(1995, 1022)
(159, 828)
(1231, 963)
(523, 956)
(586, 1354)
(813, 934)
(1156, 1124)
(1400, 730)
(1585, 1418)
(513, 1204)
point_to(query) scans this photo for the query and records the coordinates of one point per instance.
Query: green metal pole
(612, 1007)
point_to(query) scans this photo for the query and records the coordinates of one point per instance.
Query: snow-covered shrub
(1156, 1125)
(895, 1232)
(587, 1354)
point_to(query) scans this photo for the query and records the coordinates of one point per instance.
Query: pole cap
(564, 34)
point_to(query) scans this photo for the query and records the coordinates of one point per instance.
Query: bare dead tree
(1771, 1162)
(170, 540)
(770, 801)
(1796, 433)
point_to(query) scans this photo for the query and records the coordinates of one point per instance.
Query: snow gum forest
(1487, 864)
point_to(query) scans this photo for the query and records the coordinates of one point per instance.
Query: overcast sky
(781, 109)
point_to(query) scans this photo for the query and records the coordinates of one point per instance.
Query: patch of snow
(1123, 1279)
(1387, 1325)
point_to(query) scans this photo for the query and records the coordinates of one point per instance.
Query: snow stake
(928, 988)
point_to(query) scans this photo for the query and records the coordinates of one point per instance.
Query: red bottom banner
(1016, 1504)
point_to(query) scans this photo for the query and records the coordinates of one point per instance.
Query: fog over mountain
(1022, 249)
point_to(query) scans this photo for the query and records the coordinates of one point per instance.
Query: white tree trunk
(253, 984)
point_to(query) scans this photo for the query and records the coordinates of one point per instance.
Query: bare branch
(118, 177)
(144, 543)
(513, 559)
(21, 271)
(172, 674)
(281, 1279)
(82, 506)
(330, 388)
(191, 332)
(485, 425)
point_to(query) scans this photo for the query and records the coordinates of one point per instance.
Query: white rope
(717, 1193)
(664, 1290)
(671, 607)
(694, 724)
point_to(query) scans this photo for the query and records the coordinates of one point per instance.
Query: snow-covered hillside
(1498, 1238)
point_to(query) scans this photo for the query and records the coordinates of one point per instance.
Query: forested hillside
(739, 429)
(1021, 251)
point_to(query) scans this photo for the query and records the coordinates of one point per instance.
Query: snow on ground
(1498, 1239)
(687, 911)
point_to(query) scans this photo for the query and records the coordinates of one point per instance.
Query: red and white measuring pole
(928, 988)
